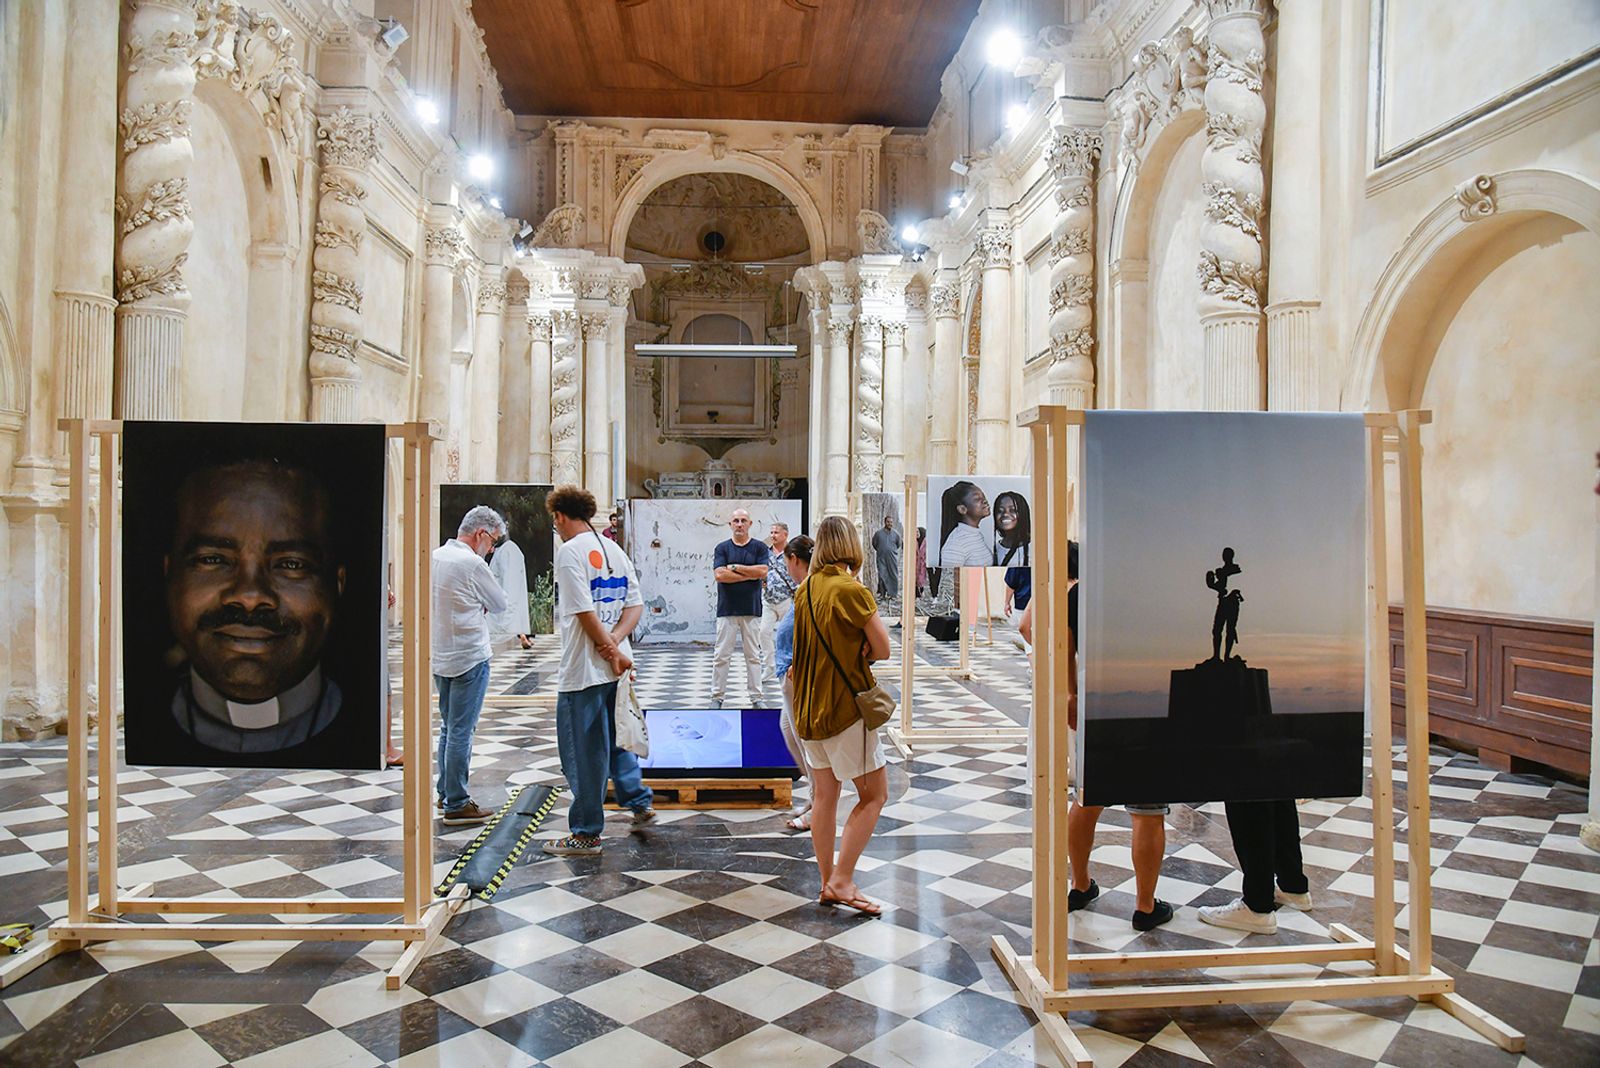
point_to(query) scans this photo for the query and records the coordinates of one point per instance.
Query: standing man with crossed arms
(741, 570)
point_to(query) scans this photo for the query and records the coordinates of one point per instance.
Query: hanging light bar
(764, 352)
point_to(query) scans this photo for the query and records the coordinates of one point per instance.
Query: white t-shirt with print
(966, 547)
(593, 574)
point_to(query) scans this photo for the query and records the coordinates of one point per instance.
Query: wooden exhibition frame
(1042, 978)
(422, 918)
(904, 734)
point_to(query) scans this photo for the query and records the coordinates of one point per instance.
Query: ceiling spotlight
(959, 166)
(480, 167)
(1016, 115)
(426, 110)
(1003, 49)
(957, 200)
(392, 33)
(909, 234)
(520, 252)
(494, 202)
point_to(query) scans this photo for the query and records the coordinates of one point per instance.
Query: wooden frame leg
(434, 919)
(42, 947)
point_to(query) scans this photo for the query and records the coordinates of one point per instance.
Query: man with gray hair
(465, 594)
(777, 594)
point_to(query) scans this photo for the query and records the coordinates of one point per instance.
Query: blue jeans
(585, 736)
(460, 701)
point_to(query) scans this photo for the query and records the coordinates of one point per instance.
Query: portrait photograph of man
(253, 597)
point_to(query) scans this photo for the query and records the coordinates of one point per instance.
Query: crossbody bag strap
(811, 602)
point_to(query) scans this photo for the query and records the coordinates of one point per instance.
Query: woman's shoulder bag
(875, 705)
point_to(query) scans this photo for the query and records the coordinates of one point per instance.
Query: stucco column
(894, 406)
(443, 248)
(484, 409)
(914, 395)
(1230, 269)
(1294, 286)
(617, 299)
(539, 398)
(153, 201)
(946, 385)
(818, 410)
(596, 328)
(566, 460)
(841, 321)
(85, 236)
(1072, 153)
(869, 406)
(514, 382)
(348, 146)
(994, 350)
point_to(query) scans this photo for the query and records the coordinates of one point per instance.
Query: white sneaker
(1238, 916)
(1298, 902)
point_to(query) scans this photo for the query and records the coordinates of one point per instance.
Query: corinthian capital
(1072, 152)
(347, 139)
(995, 246)
(944, 300)
(1221, 8)
(445, 244)
(491, 295)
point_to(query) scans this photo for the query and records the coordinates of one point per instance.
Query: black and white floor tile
(697, 941)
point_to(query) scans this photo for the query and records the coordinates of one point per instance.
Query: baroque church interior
(948, 219)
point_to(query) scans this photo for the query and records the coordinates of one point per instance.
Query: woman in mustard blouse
(834, 612)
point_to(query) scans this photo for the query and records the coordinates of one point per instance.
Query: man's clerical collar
(297, 700)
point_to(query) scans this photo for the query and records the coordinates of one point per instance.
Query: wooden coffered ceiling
(823, 61)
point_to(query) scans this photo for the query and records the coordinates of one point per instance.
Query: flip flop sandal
(794, 823)
(862, 904)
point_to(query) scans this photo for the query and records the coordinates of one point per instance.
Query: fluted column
(348, 146)
(1294, 314)
(946, 386)
(1072, 153)
(485, 406)
(894, 406)
(617, 299)
(869, 406)
(596, 328)
(915, 373)
(539, 397)
(994, 350)
(85, 233)
(1230, 269)
(566, 460)
(443, 247)
(836, 475)
(153, 202)
(514, 382)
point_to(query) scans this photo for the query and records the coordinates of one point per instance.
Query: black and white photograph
(1221, 647)
(979, 521)
(253, 595)
(523, 565)
(885, 543)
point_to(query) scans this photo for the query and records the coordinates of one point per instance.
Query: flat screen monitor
(724, 742)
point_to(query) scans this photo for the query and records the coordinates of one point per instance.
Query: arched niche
(239, 269)
(1487, 319)
(1153, 327)
(665, 168)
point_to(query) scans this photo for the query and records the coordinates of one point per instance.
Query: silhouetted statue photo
(1228, 602)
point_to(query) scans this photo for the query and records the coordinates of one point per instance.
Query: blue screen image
(715, 739)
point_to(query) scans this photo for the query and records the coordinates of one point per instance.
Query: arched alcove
(1153, 327)
(1489, 322)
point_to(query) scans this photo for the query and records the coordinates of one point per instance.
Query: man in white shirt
(465, 594)
(598, 603)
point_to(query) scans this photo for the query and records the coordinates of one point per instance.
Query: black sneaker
(1149, 921)
(1077, 899)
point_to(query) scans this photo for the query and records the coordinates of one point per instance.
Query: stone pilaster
(869, 406)
(153, 204)
(348, 146)
(566, 459)
(994, 355)
(836, 474)
(539, 326)
(617, 300)
(443, 248)
(596, 328)
(945, 385)
(894, 406)
(1072, 153)
(1230, 270)
(1294, 314)
(485, 377)
(512, 452)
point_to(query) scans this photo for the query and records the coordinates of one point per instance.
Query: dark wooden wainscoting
(1508, 686)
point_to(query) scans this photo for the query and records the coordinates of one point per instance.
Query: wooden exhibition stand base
(98, 919)
(780, 791)
(1042, 978)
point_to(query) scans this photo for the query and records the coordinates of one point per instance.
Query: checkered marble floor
(697, 941)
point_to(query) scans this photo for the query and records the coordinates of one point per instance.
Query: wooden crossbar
(242, 932)
(267, 906)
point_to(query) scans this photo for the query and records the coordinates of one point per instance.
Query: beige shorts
(850, 754)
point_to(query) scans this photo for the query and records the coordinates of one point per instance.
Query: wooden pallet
(719, 793)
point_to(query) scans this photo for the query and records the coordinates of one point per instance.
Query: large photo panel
(979, 521)
(253, 594)
(671, 544)
(524, 565)
(1223, 588)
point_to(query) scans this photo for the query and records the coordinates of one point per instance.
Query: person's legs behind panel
(721, 657)
(1294, 889)
(755, 662)
(1149, 845)
(1250, 826)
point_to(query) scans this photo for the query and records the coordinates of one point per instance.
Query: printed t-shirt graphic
(592, 575)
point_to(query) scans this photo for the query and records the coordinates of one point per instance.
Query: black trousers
(1266, 835)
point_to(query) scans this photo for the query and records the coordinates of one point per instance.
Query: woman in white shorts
(834, 612)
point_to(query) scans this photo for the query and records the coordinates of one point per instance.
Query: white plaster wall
(1174, 344)
(218, 275)
(1508, 471)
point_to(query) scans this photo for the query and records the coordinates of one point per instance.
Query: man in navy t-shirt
(741, 568)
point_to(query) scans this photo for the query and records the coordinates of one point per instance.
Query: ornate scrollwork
(561, 228)
(330, 288)
(152, 279)
(1476, 197)
(347, 139)
(330, 236)
(1242, 211)
(161, 201)
(158, 120)
(1231, 280)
